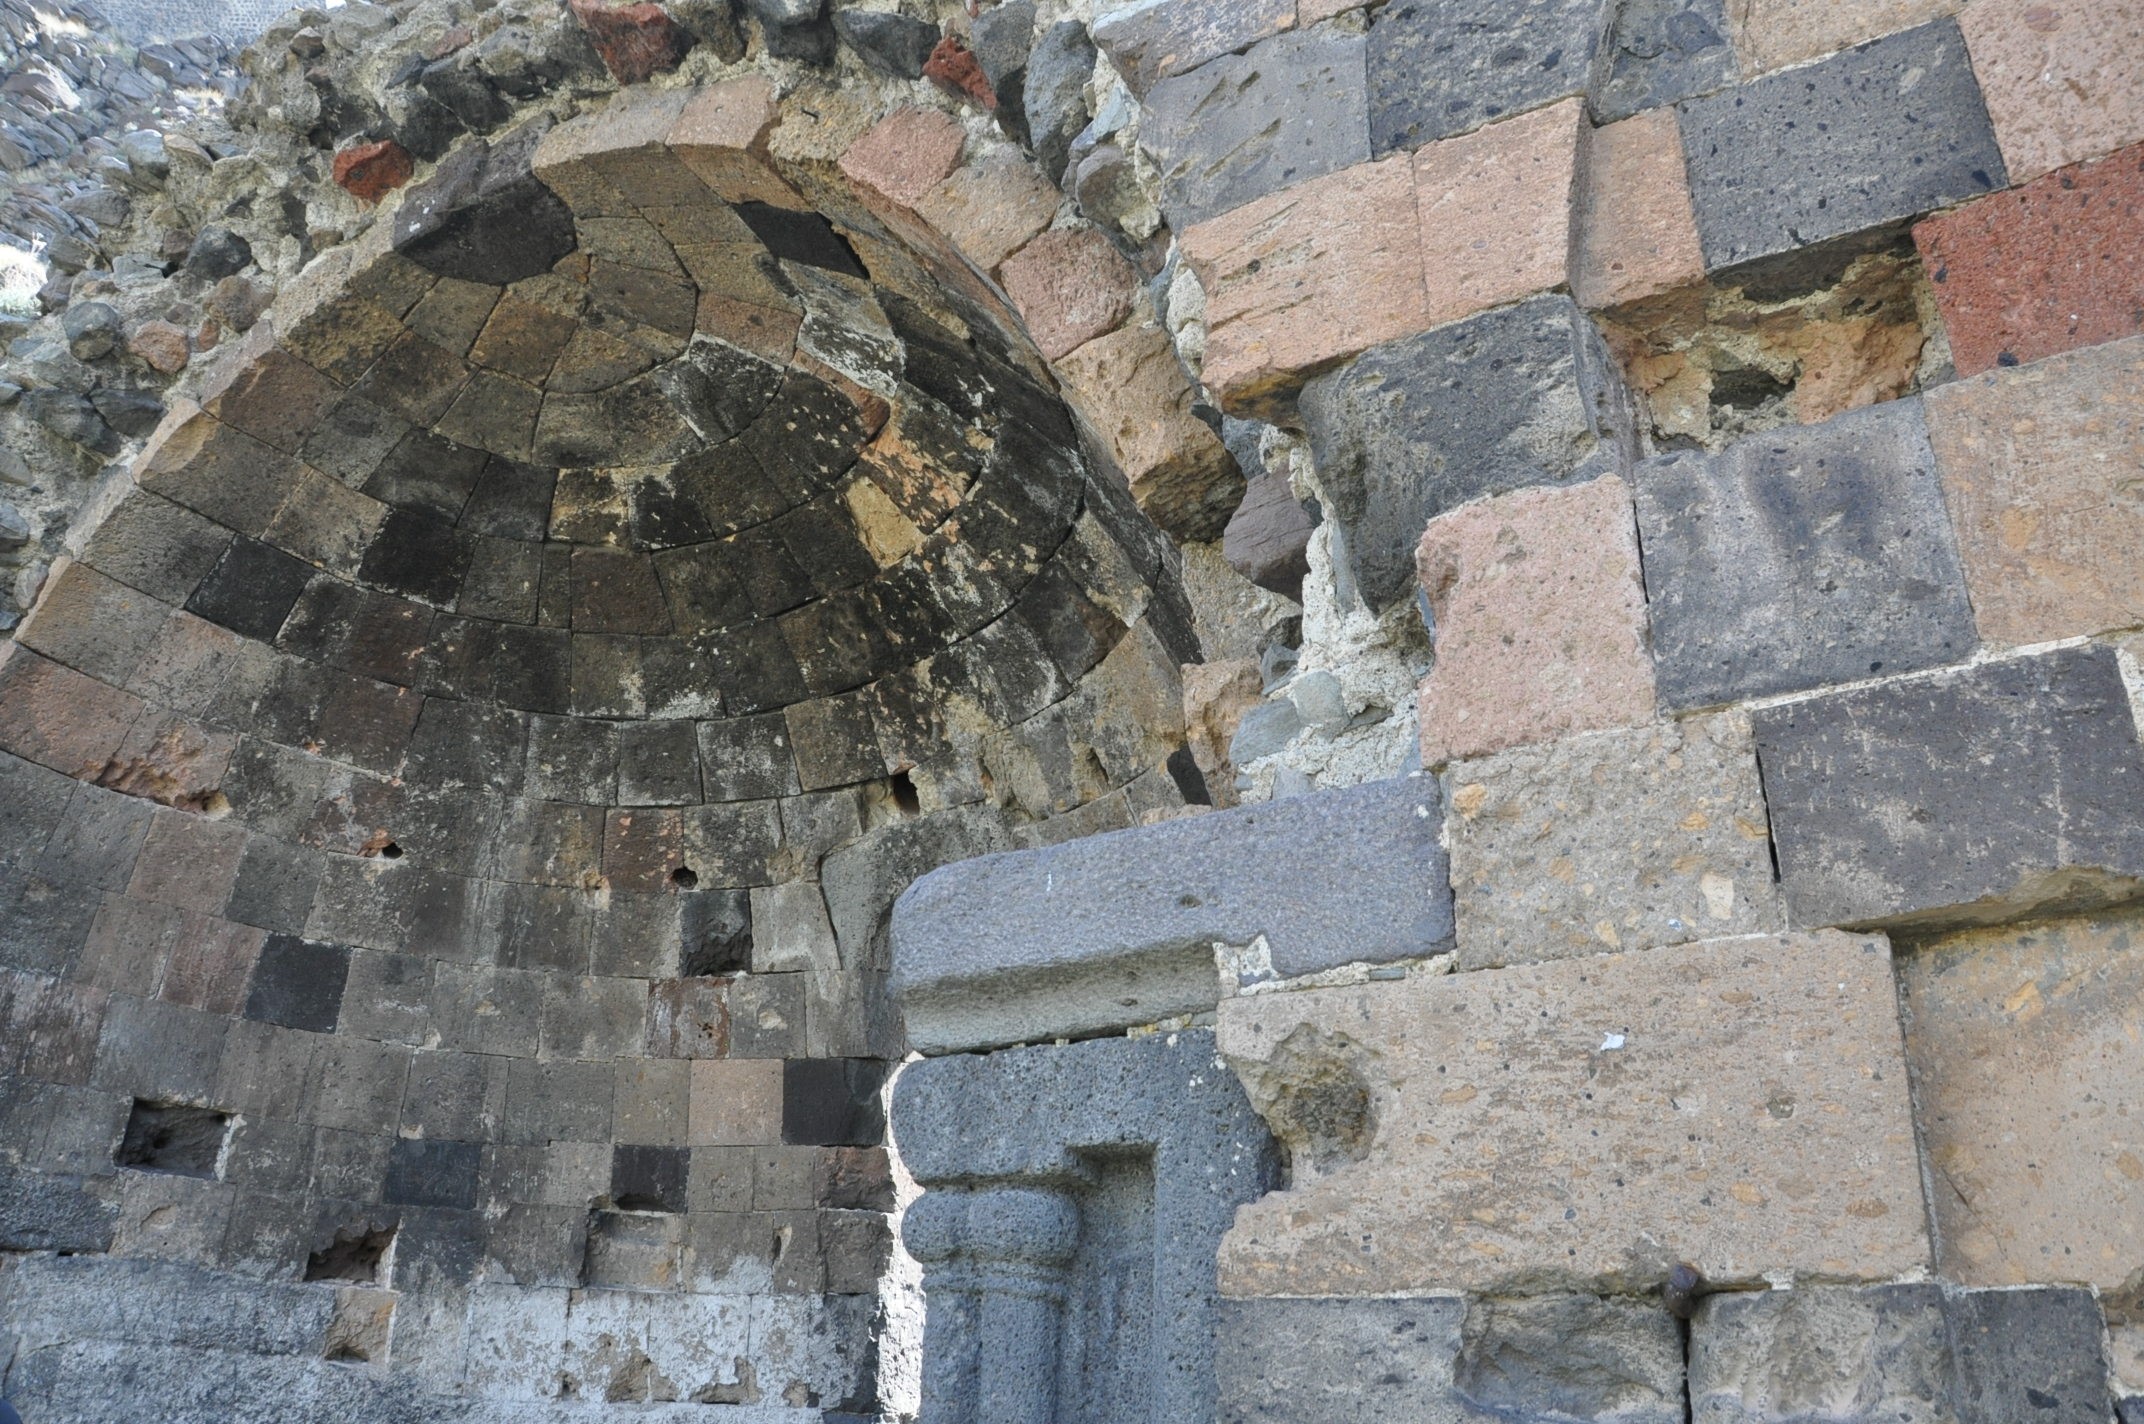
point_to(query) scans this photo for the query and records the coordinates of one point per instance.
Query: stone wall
(1501, 643)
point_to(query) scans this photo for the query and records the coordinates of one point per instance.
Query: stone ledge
(1120, 929)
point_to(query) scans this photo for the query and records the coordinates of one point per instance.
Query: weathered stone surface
(1246, 126)
(2038, 467)
(483, 217)
(892, 43)
(1120, 929)
(1055, 93)
(1741, 1105)
(636, 42)
(1115, 1166)
(954, 68)
(1525, 396)
(1071, 285)
(1132, 389)
(2045, 268)
(1539, 614)
(1664, 51)
(1801, 557)
(2064, 83)
(1625, 840)
(1868, 138)
(2021, 1052)
(1912, 1353)
(1307, 277)
(1152, 40)
(370, 171)
(1965, 797)
(1637, 234)
(906, 154)
(991, 209)
(1772, 34)
(1444, 1360)
(1497, 210)
(1442, 67)
(1268, 537)
(46, 1213)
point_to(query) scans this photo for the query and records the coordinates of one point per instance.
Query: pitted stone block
(1964, 797)
(1527, 395)
(1586, 1124)
(1915, 1354)
(1120, 929)
(1863, 140)
(1442, 67)
(1234, 130)
(1799, 558)
(1073, 1199)
(1663, 51)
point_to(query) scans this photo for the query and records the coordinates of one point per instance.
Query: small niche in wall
(362, 1254)
(176, 1138)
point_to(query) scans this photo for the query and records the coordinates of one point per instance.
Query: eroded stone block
(1965, 797)
(1624, 840)
(1120, 929)
(1528, 395)
(2021, 1046)
(1799, 558)
(1741, 1105)
(1442, 67)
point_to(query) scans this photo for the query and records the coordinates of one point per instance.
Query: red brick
(1496, 210)
(1071, 285)
(56, 717)
(370, 171)
(636, 41)
(2045, 268)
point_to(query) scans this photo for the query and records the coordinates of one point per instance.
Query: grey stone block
(1527, 395)
(39, 1212)
(1074, 1200)
(1443, 67)
(1662, 52)
(1915, 1354)
(1150, 40)
(1120, 929)
(1800, 558)
(1446, 1360)
(1291, 108)
(1863, 140)
(1966, 797)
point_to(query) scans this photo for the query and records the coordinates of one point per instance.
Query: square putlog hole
(172, 1137)
(362, 1254)
(648, 1178)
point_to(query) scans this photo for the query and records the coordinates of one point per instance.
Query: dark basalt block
(1444, 67)
(484, 216)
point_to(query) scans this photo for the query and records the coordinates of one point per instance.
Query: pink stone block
(2064, 81)
(1497, 208)
(906, 154)
(1638, 231)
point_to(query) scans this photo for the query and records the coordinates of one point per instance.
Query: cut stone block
(2064, 82)
(1306, 277)
(1638, 236)
(1624, 840)
(1772, 34)
(1664, 51)
(1085, 1268)
(1864, 140)
(1120, 929)
(1497, 210)
(1539, 613)
(1244, 126)
(1151, 40)
(2045, 268)
(1967, 797)
(1443, 67)
(1524, 396)
(1741, 1105)
(2039, 465)
(2022, 1047)
(1801, 557)
(1446, 1360)
(1917, 1354)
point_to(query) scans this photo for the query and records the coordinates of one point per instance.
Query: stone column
(996, 1262)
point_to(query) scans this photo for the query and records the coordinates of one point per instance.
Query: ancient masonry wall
(1496, 647)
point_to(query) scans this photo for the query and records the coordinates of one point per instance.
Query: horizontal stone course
(1120, 929)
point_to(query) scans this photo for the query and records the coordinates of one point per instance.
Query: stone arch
(471, 751)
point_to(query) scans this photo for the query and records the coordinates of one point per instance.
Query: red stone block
(954, 68)
(370, 171)
(636, 41)
(2049, 267)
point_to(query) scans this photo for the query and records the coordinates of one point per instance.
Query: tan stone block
(1070, 286)
(736, 1102)
(2039, 466)
(992, 208)
(908, 153)
(2064, 81)
(1620, 840)
(1771, 34)
(1497, 208)
(1307, 277)
(1216, 695)
(722, 136)
(1637, 230)
(1540, 618)
(1133, 391)
(2024, 1049)
(1741, 1105)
